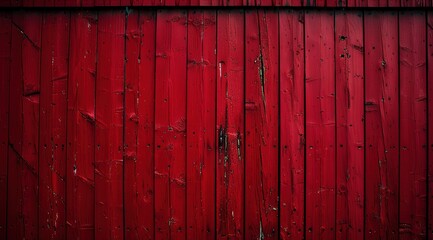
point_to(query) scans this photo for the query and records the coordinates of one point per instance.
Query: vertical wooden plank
(429, 27)
(349, 62)
(80, 180)
(139, 125)
(381, 125)
(292, 133)
(320, 124)
(413, 125)
(109, 125)
(5, 64)
(201, 124)
(393, 3)
(170, 124)
(430, 123)
(261, 126)
(22, 194)
(377, 3)
(52, 126)
(230, 123)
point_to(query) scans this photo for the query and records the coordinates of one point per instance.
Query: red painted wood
(320, 125)
(381, 125)
(292, 132)
(261, 125)
(5, 65)
(413, 125)
(170, 125)
(429, 26)
(201, 124)
(22, 214)
(230, 124)
(109, 125)
(52, 126)
(80, 179)
(139, 125)
(349, 60)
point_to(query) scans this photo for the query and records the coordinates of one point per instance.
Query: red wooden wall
(227, 124)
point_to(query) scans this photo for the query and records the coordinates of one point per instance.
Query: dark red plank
(230, 123)
(109, 125)
(261, 126)
(24, 87)
(430, 123)
(381, 125)
(5, 59)
(80, 179)
(320, 125)
(52, 126)
(201, 124)
(292, 133)
(170, 125)
(413, 125)
(139, 125)
(349, 59)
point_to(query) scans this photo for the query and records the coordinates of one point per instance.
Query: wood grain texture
(381, 124)
(429, 26)
(5, 65)
(80, 175)
(109, 125)
(201, 124)
(230, 124)
(413, 125)
(139, 125)
(349, 60)
(320, 125)
(170, 125)
(261, 124)
(292, 131)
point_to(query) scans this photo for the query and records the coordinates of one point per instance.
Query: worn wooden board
(139, 125)
(80, 179)
(109, 113)
(230, 124)
(5, 65)
(320, 125)
(201, 124)
(261, 124)
(170, 124)
(413, 125)
(429, 26)
(381, 125)
(292, 128)
(349, 61)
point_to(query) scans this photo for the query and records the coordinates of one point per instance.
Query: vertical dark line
(96, 124)
(39, 120)
(216, 128)
(125, 60)
(9, 122)
(66, 137)
(245, 122)
(305, 123)
(427, 126)
(398, 110)
(155, 17)
(335, 122)
(186, 12)
(279, 131)
(364, 124)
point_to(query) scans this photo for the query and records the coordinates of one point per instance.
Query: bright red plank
(52, 126)
(139, 125)
(24, 87)
(430, 123)
(413, 125)
(261, 126)
(201, 124)
(230, 124)
(349, 62)
(80, 180)
(381, 125)
(320, 124)
(292, 132)
(170, 125)
(109, 125)
(5, 58)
